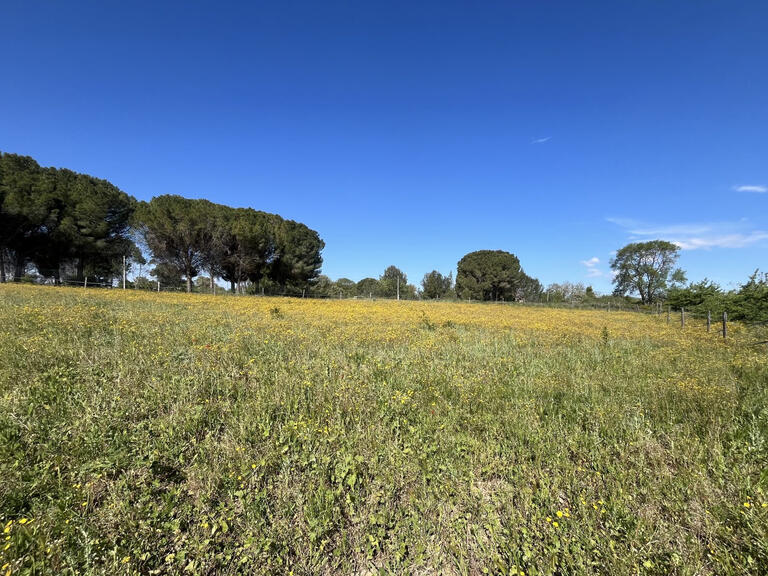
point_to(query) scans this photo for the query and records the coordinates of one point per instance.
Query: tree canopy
(435, 285)
(645, 268)
(62, 222)
(494, 275)
(238, 244)
(71, 225)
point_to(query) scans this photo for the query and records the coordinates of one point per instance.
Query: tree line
(70, 226)
(485, 275)
(67, 225)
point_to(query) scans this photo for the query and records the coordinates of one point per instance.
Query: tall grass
(159, 434)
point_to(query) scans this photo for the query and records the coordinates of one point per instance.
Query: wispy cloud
(751, 188)
(693, 236)
(541, 140)
(592, 268)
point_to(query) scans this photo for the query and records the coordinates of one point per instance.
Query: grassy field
(161, 434)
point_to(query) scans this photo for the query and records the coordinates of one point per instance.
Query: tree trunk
(189, 283)
(18, 268)
(2, 265)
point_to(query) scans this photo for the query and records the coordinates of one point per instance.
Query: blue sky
(411, 133)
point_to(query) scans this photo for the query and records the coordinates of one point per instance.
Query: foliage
(645, 268)
(175, 230)
(65, 223)
(145, 433)
(368, 287)
(346, 287)
(435, 285)
(566, 292)
(393, 282)
(57, 219)
(751, 301)
(494, 275)
(698, 297)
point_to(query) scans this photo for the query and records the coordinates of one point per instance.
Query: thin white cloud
(592, 270)
(541, 140)
(725, 241)
(751, 188)
(694, 236)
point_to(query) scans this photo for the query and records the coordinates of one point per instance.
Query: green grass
(157, 434)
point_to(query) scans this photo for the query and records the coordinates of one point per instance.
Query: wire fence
(714, 322)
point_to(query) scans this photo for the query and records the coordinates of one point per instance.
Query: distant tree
(323, 287)
(529, 289)
(389, 282)
(346, 287)
(589, 293)
(751, 300)
(168, 275)
(22, 211)
(248, 245)
(698, 295)
(143, 283)
(492, 275)
(435, 285)
(368, 287)
(136, 259)
(58, 219)
(65, 223)
(566, 292)
(645, 268)
(175, 230)
(297, 259)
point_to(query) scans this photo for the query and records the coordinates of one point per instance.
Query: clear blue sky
(411, 133)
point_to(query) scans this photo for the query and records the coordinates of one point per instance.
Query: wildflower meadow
(145, 433)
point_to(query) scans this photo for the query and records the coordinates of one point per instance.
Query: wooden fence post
(725, 325)
(709, 320)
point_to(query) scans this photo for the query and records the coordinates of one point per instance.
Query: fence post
(682, 317)
(725, 325)
(709, 320)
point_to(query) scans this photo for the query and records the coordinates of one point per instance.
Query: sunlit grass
(145, 432)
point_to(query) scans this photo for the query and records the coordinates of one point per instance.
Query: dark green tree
(492, 275)
(323, 287)
(645, 268)
(751, 300)
(368, 287)
(704, 295)
(248, 239)
(435, 285)
(390, 280)
(58, 219)
(175, 230)
(297, 259)
(346, 287)
(529, 289)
